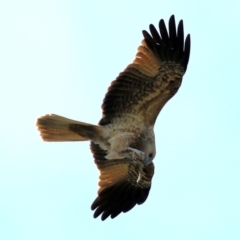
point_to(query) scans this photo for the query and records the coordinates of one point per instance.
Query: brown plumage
(123, 143)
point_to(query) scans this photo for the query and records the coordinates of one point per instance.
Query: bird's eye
(150, 155)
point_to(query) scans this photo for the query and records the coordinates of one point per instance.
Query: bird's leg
(136, 155)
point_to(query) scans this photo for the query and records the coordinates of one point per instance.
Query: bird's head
(150, 152)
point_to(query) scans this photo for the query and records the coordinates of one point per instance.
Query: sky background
(60, 57)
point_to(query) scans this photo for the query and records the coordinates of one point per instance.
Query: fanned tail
(55, 128)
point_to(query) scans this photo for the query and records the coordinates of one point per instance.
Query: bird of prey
(123, 142)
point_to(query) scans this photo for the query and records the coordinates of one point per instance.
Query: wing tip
(121, 202)
(171, 41)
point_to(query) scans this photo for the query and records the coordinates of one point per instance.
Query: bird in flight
(123, 142)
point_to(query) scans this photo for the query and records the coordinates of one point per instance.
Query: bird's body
(123, 143)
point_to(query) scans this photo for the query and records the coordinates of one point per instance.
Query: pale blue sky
(60, 57)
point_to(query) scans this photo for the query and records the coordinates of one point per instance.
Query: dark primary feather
(172, 33)
(155, 75)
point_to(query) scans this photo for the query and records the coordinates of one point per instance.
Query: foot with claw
(136, 155)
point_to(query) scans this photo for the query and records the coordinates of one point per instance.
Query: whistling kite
(123, 142)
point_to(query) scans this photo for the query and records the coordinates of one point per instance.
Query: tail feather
(55, 128)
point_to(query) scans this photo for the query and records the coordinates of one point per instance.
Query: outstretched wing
(143, 88)
(123, 184)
